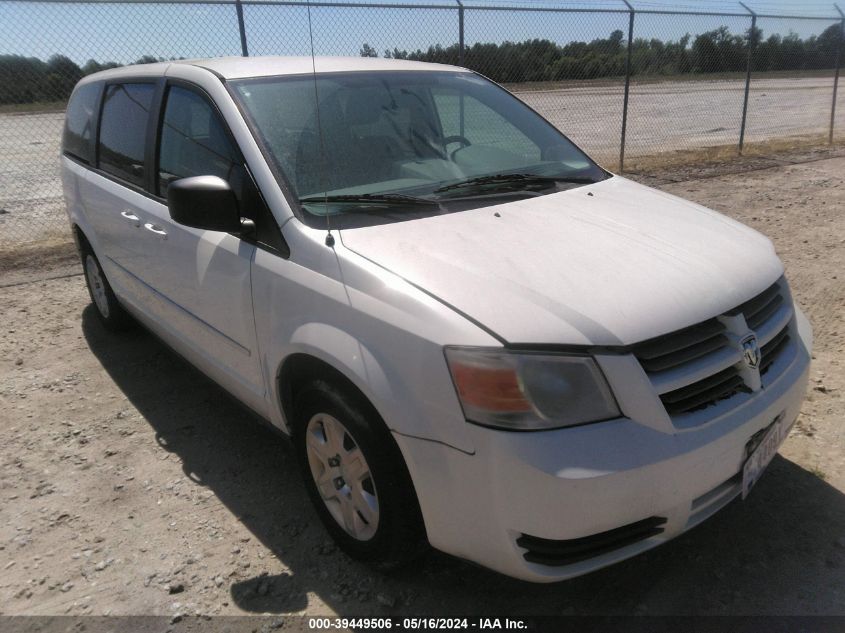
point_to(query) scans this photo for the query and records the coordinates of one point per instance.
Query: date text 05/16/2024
(417, 624)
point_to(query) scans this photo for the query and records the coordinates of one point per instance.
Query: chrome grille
(770, 351)
(699, 366)
(672, 350)
(704, 392)
(759, 309)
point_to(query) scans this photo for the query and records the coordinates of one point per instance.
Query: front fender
(428, 409)
(383, 334)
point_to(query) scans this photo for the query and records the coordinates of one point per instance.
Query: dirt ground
(129, 484)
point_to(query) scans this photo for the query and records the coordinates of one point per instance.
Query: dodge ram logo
(751, 351)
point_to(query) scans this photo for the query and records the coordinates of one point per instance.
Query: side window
(123, 130)
(193, 140)
(79, 121)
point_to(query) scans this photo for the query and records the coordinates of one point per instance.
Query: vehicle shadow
(780, 552)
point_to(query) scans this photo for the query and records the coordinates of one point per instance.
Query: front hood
(612, 263)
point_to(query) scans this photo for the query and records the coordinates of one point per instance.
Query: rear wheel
(108, 308)
(356, 477)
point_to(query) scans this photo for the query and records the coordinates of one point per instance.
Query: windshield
(425, 142)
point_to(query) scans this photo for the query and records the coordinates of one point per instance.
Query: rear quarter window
(123, 130)
(79, 122)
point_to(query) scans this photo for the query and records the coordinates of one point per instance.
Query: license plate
(763, 454)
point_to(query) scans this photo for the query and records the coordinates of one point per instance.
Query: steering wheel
(456, 138)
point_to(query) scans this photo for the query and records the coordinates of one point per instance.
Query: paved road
(662, 117)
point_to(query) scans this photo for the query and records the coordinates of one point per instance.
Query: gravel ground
(129, 484)
(663, 117)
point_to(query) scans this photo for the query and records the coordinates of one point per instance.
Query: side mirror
(204, 202)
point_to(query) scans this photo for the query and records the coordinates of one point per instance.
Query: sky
(123, 31)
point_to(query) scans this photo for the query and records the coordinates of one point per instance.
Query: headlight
(525, 391)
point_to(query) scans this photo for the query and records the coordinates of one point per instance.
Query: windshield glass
(389, 138)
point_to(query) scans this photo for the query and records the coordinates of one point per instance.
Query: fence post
(462, 113)
(460, 32)
(752, 40)
(631, 13)
(239, 9)
(836, 73)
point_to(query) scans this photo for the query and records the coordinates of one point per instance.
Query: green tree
(61, 76)
(368, 51)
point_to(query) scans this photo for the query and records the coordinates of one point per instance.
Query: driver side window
(193, 140)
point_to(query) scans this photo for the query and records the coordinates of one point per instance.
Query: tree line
(716, 51)
(32, 80)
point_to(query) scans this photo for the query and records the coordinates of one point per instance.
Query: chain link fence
(629, 85)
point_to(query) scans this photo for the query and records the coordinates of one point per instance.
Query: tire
(364, 497)
(111, 314)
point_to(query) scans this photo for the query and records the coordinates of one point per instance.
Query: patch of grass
(774, 149)
(55, 250)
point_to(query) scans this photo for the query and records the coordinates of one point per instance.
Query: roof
(241, 67)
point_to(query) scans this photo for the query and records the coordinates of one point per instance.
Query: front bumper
(572, 484)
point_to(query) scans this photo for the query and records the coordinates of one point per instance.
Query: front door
(202, 278)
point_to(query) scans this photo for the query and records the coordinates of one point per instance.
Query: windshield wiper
(374, 198)
(511, 180)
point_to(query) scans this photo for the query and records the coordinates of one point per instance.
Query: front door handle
(155, 228)
(130, 217)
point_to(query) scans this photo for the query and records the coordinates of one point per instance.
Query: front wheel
(356, 477)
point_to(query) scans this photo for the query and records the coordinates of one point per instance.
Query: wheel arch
(84, 237)
(322, 350)
(300, 368)
(79, 236)
(416, 399)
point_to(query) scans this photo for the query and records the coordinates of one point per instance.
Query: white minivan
(475, 336)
